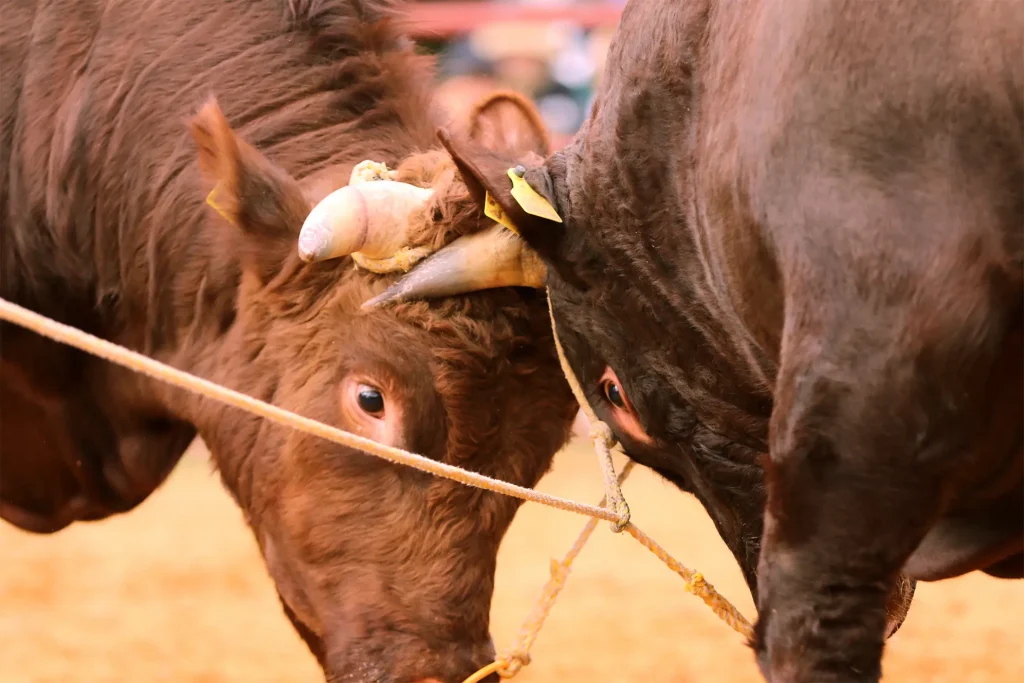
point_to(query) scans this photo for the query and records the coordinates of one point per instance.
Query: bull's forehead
(607, 321)
(591, 335)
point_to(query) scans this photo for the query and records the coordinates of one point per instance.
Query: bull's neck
(189, 319)
(651, 239)
(635, 166)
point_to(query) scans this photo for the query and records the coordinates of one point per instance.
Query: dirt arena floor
(175, 591)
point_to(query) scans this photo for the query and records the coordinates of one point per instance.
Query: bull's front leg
(863, 432)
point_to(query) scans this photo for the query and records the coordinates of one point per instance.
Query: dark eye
(371, 401)
(614, 394)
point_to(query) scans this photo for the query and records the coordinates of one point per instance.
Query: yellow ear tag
(495, 213)
(530, 200)
(213, 204)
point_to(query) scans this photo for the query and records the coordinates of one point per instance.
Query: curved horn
(371, 218)
(495, 257)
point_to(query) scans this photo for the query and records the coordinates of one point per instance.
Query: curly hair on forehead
(479, 340)
(451, 212)
(498, 338)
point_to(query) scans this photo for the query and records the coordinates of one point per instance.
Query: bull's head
(385, 571)
(602, 326)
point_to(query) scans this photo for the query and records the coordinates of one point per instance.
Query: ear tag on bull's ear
(530, 200)
(493, 211)
(212, 201)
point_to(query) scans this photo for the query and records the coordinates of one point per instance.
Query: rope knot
(622, 510)
(697, 585)
(513, 663)
(368, 171)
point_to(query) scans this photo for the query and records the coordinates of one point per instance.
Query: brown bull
(105, 167)
(787, 267)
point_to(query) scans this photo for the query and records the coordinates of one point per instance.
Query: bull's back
(910, 101)
(858, 131)
(97, 96)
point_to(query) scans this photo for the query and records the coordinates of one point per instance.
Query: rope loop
(513, 663)
(506, 666)
(604, 440)
(493, 667)
(600, 433)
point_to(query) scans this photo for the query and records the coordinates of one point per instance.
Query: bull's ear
(485, 173)
(247, 190)
(506, 122)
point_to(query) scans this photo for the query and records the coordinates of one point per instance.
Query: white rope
(163, 372)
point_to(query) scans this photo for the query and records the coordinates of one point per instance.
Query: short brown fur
(106, 165)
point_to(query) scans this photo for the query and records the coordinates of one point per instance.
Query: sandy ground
(175, 591)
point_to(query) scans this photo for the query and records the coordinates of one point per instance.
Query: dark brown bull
(385, 571)
(792, 240)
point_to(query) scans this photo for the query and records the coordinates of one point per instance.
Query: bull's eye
(611, 387)
(614, 394)
(623, 417)
(370, 401)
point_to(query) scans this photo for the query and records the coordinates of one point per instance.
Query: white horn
(495, 257)
(371, 218)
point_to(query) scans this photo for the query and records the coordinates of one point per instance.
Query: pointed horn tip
(306, 253)
(379, 300)
(313, 241)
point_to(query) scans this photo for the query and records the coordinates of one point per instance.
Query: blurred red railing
(446, 19)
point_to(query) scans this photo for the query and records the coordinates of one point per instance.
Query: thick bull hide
(788, 272)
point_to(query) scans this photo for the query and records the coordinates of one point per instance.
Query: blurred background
(176, 590)
(550, 50)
